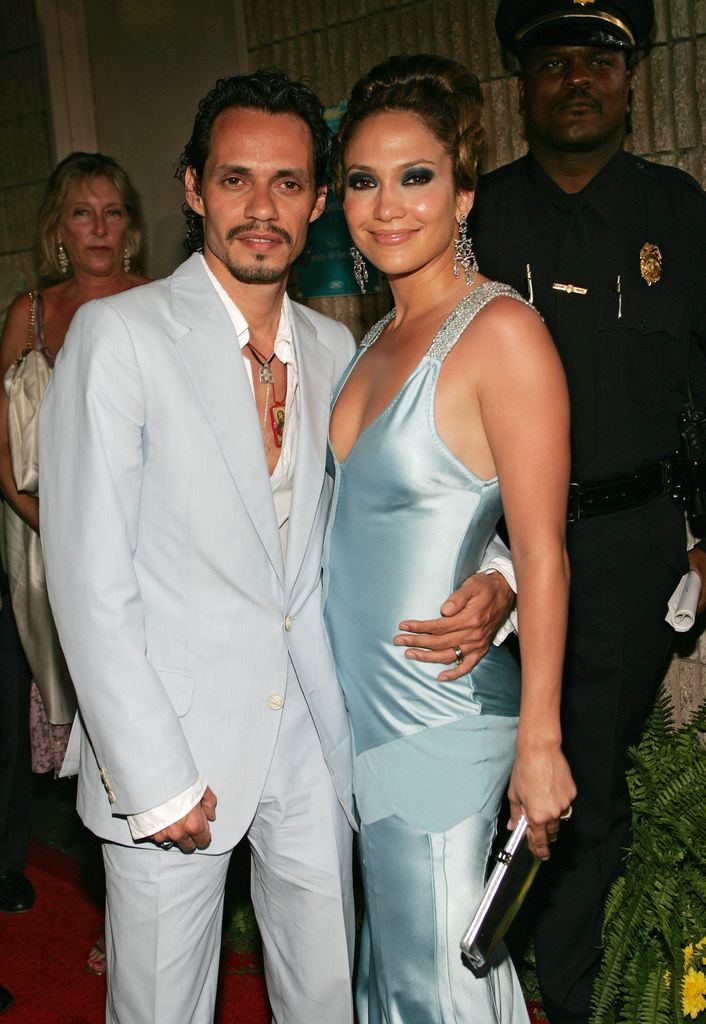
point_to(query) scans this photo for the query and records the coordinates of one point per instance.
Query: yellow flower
(693, 993)
(688, 953)
(701, 943)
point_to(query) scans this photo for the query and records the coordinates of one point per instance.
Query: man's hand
(697, 562)
(192, 832)
(471, 617)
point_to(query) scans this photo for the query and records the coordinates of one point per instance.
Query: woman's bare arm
(12, 344)
(525, 414)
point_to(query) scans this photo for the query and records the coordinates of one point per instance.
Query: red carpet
(44, 953)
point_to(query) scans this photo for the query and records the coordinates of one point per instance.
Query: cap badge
(650, 263)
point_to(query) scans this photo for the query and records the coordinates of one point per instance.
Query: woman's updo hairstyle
(442, 92)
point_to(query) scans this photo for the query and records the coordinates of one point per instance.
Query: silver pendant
(265, 374)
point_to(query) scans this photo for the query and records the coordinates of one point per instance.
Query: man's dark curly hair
(269, 90)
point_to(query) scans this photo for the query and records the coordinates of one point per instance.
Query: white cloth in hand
(681, 607)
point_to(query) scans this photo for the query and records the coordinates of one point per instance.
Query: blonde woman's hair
(72, 169)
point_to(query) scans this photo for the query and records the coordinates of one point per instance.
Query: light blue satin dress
(432, 759)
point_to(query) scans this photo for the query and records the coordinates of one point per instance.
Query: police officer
(612, 250)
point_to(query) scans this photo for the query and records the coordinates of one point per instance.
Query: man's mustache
(578, 93)
(255, 226)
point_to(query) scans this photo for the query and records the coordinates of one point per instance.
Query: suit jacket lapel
(315, 368)
(212, 359)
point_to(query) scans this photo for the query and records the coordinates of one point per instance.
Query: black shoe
(16, 892)
(6, 999)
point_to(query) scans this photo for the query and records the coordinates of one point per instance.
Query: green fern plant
(658, 907)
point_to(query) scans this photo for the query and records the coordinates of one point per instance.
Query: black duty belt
(605, 496)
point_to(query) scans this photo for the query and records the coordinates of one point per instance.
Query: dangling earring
(62, 258)
(463, 253)
(360, 270)
(126, 261)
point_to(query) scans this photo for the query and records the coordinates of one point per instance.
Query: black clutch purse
(507, 886)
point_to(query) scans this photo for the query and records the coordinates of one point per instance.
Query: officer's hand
(697, 562)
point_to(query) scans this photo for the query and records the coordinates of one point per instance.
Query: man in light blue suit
(184, 501)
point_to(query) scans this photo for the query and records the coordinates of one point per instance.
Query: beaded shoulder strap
(376, 330)
(468, 308)
(457, 321)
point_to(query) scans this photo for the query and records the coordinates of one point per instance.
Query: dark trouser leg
(624, 568)
(15, 760)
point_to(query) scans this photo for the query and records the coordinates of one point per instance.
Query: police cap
(622, 23)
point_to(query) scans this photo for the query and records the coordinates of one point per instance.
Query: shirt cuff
(505, 568)
(146, 823)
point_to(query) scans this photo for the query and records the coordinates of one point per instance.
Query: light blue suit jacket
(179, 621)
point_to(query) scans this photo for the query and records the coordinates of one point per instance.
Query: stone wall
(25, 160)
(333, 42)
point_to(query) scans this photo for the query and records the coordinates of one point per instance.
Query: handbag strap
(31, 325)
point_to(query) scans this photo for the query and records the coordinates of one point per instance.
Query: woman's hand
(542, 788)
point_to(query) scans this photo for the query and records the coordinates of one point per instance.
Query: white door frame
(71, 111)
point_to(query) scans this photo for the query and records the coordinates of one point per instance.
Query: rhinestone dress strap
(376, 330)
(457, 321)
(467, 309)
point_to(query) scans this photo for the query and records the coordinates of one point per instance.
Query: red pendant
(277, 422)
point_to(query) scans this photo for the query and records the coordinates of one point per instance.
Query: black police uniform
(627, 348)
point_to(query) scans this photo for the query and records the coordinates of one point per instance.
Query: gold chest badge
(650, 263)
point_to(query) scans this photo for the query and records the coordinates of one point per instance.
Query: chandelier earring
(360, 270)
(62, 258)
(463, 253)
(126, 260)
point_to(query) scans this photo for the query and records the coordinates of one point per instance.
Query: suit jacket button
(288, 623)
(275, 702)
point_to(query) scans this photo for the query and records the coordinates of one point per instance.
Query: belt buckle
(574, 511)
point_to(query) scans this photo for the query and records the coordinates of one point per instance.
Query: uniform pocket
(644, 345)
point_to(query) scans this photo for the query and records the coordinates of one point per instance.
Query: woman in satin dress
(90, 245)
(453, 411)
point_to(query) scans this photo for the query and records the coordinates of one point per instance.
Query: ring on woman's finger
(167, 844)
(567, 813)
(459, 655)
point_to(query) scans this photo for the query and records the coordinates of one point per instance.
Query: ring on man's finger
(567, 813)
(167, 844)
(459, 655)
